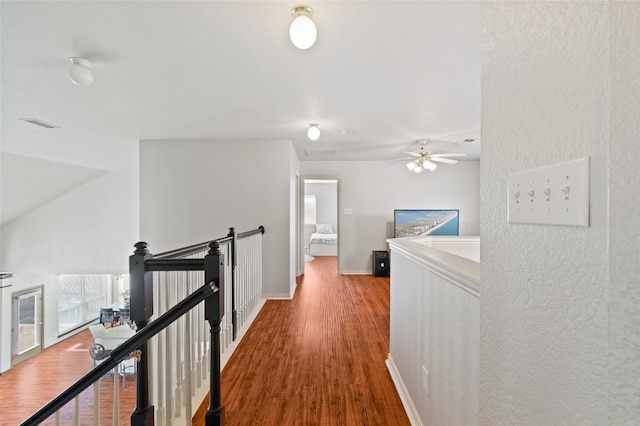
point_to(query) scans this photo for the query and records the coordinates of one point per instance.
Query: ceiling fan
(423, 160)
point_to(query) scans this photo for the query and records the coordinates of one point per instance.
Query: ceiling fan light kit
(418, 166)
(302, 31)
(424, 160)
(80, 72)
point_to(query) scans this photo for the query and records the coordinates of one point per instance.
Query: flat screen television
(415, 223)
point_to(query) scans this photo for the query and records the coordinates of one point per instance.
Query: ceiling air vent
(320, 153)
(39, 123)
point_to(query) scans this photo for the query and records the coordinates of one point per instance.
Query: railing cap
(141, 248)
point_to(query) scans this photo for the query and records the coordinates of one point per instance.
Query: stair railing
(211, 272)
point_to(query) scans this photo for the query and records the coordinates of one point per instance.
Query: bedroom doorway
(320, 227)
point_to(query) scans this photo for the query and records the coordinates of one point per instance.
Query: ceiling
(380, 76)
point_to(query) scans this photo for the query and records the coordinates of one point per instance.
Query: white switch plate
(551, 195)
(348, 211)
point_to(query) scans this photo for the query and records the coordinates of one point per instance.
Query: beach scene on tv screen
(417, 223)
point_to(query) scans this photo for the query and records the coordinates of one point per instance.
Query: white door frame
(301, 243)
(18, 356)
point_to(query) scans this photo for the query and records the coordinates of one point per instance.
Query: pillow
(324, 228)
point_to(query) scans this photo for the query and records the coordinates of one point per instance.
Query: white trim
(462, 272)
(278, 296)
(407, 403)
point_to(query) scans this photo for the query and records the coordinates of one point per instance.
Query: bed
(323, 242)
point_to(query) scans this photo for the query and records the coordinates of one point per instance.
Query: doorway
(319, 209)
(26, 325)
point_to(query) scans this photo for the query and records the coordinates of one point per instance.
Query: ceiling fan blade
(453, 154)
(415, 154)
(443, 160)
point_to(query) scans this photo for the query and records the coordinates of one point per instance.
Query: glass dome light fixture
(80, 72)
(302, 31)
(314, 132)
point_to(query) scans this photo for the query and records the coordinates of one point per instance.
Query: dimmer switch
(551, 195)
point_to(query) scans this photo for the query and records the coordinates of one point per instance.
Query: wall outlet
(425, 380)
(551, 195)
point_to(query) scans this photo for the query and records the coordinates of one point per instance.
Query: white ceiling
(392, 72)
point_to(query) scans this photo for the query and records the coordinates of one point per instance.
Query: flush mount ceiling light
(303, 31)
(314, 132)
(80, 72)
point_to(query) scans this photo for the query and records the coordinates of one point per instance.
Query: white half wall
(373, 189)
(194, 191)
(560, 82)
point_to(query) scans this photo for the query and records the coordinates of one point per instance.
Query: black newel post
(234, 311)
(141, 303)
(214, 310)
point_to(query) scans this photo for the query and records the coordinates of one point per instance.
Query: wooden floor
(32, 384)
(318, 359)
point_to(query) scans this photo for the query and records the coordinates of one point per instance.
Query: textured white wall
(373, 189)
(545, 312)
(624, 215)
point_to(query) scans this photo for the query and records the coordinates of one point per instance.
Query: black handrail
(196, 248)
(123, 351)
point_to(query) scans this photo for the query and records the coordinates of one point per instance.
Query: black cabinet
(380, 260)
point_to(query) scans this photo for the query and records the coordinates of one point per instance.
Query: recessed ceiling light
(39, 123)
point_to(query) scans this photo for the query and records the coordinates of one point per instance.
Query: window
(309, 209)
(80, 298)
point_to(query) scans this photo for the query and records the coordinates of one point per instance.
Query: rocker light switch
(551, 195)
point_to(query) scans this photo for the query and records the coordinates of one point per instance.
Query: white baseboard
(407, 403)
(278, 296)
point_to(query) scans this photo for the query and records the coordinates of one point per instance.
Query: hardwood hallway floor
(318, 359)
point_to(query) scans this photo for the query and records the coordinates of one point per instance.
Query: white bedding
(323, 239)
(323, 244)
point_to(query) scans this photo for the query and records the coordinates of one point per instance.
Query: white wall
(624, 214)
(90, 229)
(558, 333)
(326, 201)
(193, 191)
(373, 189)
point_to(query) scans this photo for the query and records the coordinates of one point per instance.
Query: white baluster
(177, 350)
(161, 308)
(168, 350)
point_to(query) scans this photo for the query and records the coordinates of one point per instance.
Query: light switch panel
(551, 195)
